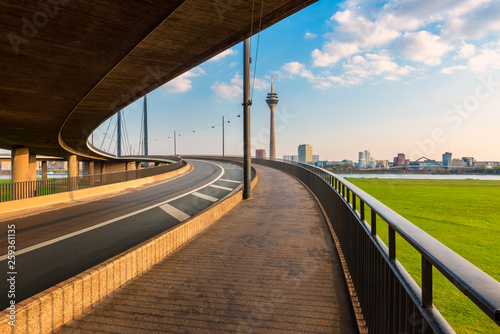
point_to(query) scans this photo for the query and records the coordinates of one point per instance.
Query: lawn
(462, 214)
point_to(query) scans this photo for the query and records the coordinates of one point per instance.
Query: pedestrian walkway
(268, 266)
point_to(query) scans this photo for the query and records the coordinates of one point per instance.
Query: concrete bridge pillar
(138, 165)
(44, 170)
(32, 185)
(73, 172)
(32, 167)
(157, 164)
(131, 166)
(20, 167)
(91, 173)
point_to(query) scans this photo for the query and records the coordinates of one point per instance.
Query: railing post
(374, 222)
(362, 209)
(353, 201)
(426, 282)
(392, 243)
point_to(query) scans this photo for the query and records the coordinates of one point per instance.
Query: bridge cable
(112, 136)
(257, 51)
(105, 133)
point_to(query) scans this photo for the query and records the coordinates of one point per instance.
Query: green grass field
(462, 214)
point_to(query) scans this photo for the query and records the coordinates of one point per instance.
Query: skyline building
(447, 160)
(305, 153)
(365, 160)
(260, 154)
(272, 101)
(401, 160)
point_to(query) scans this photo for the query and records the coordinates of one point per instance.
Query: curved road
(56, 245)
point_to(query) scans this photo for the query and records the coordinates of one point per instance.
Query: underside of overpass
(67, 66)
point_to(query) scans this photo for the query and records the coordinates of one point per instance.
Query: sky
(416, 77)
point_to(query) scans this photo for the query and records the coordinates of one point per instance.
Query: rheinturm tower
(272, 101)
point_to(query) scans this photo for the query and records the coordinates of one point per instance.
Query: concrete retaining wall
(54, 307)
(35, 202)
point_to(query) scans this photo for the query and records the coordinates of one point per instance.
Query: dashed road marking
(209, 198)
(221, 187)
(234, 181)
(174, 212)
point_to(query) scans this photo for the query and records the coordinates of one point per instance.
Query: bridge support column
(131, 166)
(32, 167)
(88, 172)
(91, 173)
(73, 172)
(44, 170)
(32, 188)
(138, 165)
(157, 164)
(20, 158)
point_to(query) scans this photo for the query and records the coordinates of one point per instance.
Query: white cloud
(466, 51)
(310, 35)
(292, 69)
(487, 58)
(424, 47)
(228, 52)
(376, 65)
(474, 20)
(451, 69)
(234, 88)
(182, 83)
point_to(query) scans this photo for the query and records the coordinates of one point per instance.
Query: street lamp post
(247, 191)
(222, 137)
(175, 144)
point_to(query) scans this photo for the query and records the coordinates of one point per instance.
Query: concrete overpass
(69, 65)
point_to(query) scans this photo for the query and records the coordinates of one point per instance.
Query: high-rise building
(469, 161)
(315, 158)
(401, 160)
(272, 101)
(260, 154)
(366, 160)
(447, 160)
(305, 153)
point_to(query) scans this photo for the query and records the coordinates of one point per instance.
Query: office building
(469, 161)
(401, 160)
(260, 154)
(315, 158)
(366, 160)
(305, 153)
(447, 160)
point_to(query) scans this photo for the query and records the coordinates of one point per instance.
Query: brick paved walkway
(268, 266)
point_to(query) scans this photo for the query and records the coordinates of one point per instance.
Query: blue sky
(419, 77)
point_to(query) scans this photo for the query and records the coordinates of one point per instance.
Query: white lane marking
(174, 212)
(231, 181)
(220, 187)
(209, 198)
(53, 241)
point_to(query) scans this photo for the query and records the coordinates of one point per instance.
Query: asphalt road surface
(55, 245)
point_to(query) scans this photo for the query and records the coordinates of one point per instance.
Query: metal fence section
(391, 301)
(21, 190)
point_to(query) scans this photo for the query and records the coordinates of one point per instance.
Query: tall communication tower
(272, 101)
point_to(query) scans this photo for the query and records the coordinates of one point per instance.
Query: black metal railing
(21, 190)
(390, 299)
